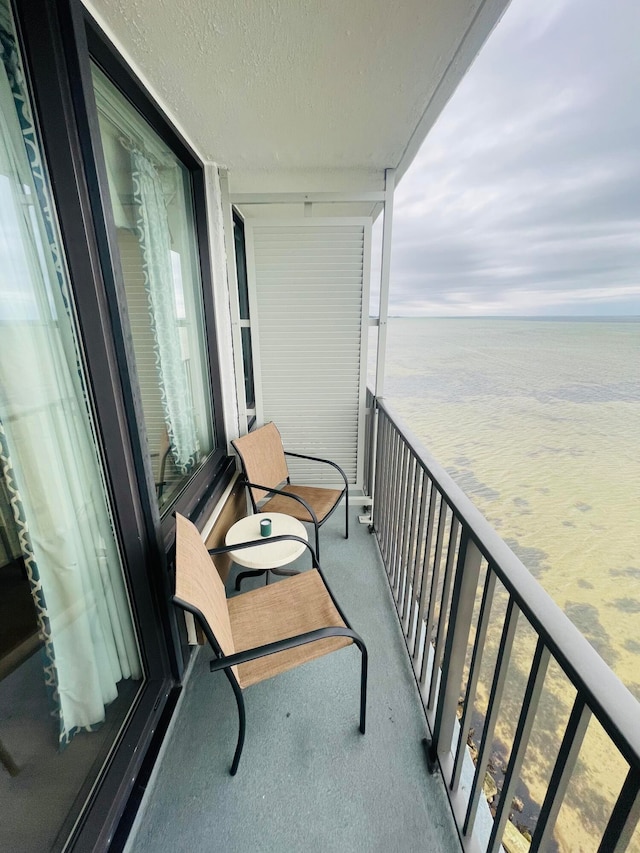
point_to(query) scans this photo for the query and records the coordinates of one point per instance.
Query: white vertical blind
(309, 283)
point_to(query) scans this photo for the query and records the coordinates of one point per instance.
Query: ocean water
(539, 422)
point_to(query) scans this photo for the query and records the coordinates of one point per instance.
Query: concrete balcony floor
(308, 780)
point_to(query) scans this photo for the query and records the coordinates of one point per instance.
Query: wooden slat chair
(265, 468)
(266, 631)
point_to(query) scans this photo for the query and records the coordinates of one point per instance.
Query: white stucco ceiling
(308, 87)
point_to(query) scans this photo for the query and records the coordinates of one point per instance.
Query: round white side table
(267, 556)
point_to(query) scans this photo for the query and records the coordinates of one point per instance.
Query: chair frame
(222, 662)
(273, 491)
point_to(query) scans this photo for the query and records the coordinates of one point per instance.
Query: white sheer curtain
(152, 225)
(47, 449)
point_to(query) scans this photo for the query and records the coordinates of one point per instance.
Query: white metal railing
(461, 596)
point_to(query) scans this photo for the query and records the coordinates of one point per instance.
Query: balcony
(307, 778)
(468, 657)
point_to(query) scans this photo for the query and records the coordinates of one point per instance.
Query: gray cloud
(525, 198)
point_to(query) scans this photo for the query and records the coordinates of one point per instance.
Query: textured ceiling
(297, 85)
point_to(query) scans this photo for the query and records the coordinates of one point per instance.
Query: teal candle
(265, 527)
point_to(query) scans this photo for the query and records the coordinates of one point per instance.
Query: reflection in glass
(243, 303)
(150, 193)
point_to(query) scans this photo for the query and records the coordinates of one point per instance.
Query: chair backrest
(198, 584)
(263, 459)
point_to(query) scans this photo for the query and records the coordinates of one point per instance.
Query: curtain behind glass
(155, 241)
(47, 450)
(152, 201)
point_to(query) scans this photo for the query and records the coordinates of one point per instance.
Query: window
(152, 206)
(245, 317)
(70, 667)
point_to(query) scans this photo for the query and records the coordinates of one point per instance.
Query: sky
(525, 197)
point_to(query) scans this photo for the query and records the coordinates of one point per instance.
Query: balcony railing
(492, 651)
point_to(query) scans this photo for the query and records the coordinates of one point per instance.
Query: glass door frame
(57, 40)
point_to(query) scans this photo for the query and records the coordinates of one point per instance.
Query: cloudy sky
(525, 198)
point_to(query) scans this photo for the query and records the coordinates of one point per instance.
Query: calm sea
(539, 422)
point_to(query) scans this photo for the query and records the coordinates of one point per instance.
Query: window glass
(243, 302)
(69, 661)
(152, 204)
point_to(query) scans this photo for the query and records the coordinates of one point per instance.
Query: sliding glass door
(70, 665)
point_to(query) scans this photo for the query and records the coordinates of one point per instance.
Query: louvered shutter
(309, 283)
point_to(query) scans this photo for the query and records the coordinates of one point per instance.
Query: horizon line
(631, 317)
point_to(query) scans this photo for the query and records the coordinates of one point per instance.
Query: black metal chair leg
(346, 514)
(363, 686)
(241, 721)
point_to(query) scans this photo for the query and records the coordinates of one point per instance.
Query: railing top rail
(611, 702)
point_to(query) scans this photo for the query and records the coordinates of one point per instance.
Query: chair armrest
(318, 459)
(285, 537)
(284, 645)
(272, 491)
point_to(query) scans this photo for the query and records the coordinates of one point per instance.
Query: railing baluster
(403, 523)
(393, 494)
(426, 559)
(495, 699)
(395, 512)
(384, 538)
(382, 495)
(474, 674)
(624, 817)
(377, 466)
(409, 590)
(415, 628)
(407, 496)
(405, 459)
(398, 465)
(530, 704)
(370, 437)
(442, 620)
(387, 497)
(466, 581)
(562, 771)
(435, 571)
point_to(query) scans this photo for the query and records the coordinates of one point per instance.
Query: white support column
(384, 281)
(383, 316)
(234, 305)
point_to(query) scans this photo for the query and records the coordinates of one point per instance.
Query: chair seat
(284, 609)
(321, 501)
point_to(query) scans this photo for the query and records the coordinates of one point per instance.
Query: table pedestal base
(254, 573)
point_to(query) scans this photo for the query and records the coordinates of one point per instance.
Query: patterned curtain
(47, 448)
(154, 236)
